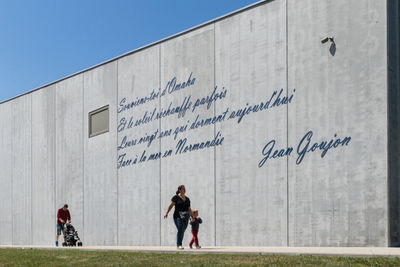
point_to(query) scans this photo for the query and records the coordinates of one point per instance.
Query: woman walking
(182, 213)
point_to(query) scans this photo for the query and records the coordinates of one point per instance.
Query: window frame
(94, 112)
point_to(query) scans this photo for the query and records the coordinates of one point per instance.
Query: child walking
(195, 222)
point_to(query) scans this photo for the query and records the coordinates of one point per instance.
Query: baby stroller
(71, 236)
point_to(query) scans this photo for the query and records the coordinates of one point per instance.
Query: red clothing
(195, 239)
(63, 214)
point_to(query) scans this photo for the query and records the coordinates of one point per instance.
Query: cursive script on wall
(130, 154)
(305, 146)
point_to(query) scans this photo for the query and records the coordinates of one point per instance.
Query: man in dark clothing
(62, 217)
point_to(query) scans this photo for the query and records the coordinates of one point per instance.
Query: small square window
(98, 121)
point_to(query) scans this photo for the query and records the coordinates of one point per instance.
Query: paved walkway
(326, 251)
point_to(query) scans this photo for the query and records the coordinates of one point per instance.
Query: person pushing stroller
(63, 216)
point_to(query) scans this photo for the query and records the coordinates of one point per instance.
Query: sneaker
(190, 246)
(180, 247)
(56, 243)
(198, 247)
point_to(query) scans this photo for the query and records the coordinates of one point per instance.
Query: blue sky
(45, 40)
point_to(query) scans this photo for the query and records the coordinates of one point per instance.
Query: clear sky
(44, 40)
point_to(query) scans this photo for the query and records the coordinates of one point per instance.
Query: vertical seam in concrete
(117, 158)
(287, 125)
(31, 195)
(159, 126)
(83, 155)
(12, 177)
(55, 155)
(215, 155)
(388, 197)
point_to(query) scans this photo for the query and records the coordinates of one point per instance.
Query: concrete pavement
(320, 251)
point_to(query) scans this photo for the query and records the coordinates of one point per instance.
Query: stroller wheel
(64, 244)
(79, 244)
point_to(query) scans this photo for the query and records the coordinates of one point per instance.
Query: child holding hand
(195, 223)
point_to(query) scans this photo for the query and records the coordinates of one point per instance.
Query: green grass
(36, 257)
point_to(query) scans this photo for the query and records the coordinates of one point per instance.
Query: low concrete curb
(316, 251)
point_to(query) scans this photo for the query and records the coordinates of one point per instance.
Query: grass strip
(37, 257)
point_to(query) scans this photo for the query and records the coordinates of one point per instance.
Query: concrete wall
(251, 63)
(21, 170)
(138, 185)
(100, 185)
(43, 165)
(189, 53)
(341, 199)
(70, 138)
(6, 211)
(273, 86)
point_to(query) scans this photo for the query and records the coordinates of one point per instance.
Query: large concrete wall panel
(69, 149)
(100, 173)
(21, 170)
(189, 59)
(251, 65)
(338, 198)
(6, 174)
(138, 178)
(43, 166)
(280, 139)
